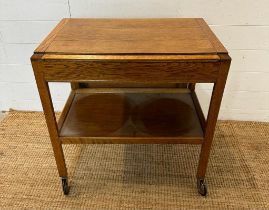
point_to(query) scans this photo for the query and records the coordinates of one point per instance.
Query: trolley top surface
(131, 36)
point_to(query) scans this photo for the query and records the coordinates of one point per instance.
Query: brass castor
(65, 185)
(201, 186)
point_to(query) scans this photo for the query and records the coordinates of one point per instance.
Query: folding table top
(131, 36)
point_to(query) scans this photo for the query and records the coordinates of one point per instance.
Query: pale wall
(242, 25)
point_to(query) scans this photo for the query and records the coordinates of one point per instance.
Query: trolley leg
(74, 85)
(46, 101)
(210, 125)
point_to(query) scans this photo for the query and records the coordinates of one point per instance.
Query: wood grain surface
(69, 70)
(132, 36)
(116, 114)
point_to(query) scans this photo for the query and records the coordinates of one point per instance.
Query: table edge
(127, 57)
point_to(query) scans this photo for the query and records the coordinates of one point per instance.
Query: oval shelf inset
(162, 117)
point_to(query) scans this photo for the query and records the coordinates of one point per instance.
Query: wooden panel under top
(112, 118)
(132, 36)
(162, 72)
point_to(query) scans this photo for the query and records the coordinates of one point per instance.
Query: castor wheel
(65, 185)
(201, 186)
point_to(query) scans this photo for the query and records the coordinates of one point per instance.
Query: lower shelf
(131, 118)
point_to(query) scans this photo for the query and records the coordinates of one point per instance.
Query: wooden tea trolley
(132, 82)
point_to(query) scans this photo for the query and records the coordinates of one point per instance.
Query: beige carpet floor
(132, 176)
